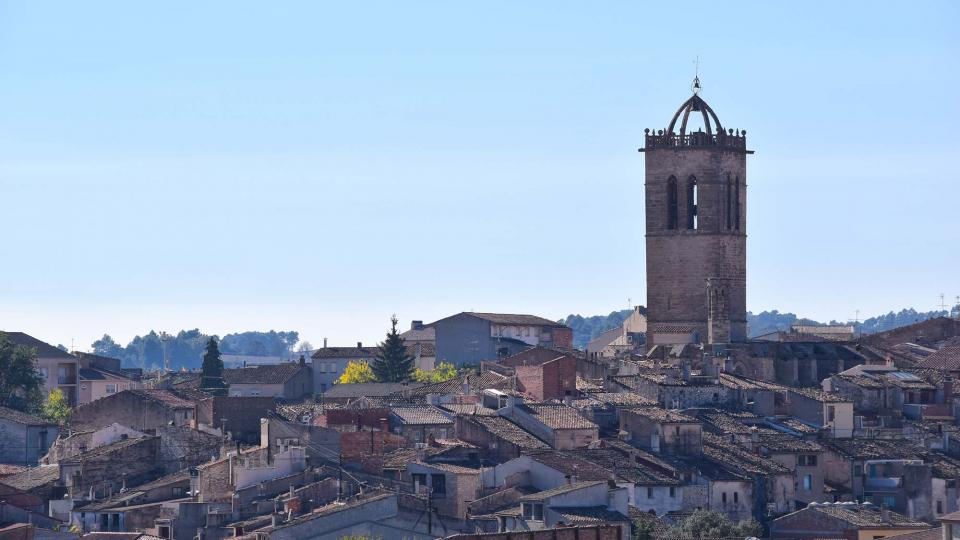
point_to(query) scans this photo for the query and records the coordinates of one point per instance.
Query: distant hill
(591, 326)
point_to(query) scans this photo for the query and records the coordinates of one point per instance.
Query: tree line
(185, 348)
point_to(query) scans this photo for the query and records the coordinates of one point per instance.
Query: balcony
(698, 139)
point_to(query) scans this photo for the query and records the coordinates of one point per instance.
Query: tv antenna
(943, 306)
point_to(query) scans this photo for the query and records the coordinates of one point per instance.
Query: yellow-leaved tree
(444, 371)
(357, 371)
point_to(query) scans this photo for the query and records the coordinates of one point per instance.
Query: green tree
(56, 408)
(20, 382)
(392, 363)
(211, 376)
(106, 346)
(357, 371)
(709, 524)
(444, 371)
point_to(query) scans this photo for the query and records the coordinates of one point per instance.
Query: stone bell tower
(696, 217)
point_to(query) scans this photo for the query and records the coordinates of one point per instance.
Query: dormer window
(532, 511)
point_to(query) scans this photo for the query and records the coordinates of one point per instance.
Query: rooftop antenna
(629, 303)
(943, 306)
(696, 76)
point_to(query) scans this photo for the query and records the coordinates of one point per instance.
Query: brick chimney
(416, 325)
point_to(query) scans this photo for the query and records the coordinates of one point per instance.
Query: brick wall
(242, 415)
(358, 445)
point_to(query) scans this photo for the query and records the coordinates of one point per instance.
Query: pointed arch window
(672, 203)
(736, 191)
(692, 203)
(729, 203)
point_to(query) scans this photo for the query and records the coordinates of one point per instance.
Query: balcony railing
(698, 139)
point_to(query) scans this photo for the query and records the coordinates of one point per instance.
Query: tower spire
(696, 76)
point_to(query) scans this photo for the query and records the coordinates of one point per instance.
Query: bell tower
(696, 224)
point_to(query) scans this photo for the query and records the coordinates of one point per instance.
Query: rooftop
(510, 432)
(33, 477)
(566, 488)
(511, 319)
(368, 389)
(262, 374)
(421, 415)
(557, 416)
(23, 418)
(863, 515)
(44, 350)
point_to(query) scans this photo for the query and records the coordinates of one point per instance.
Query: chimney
(324, 343)
(884, 515)
(303, 361)
(416, 325)
(384, 425)
(569, 479)
(754, 439)
(685, 370)
(275, 519)
(359, 345)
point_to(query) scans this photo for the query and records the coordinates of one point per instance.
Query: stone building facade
(696, 229)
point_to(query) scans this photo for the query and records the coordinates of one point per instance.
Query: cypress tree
(211, 379)
(392, 363)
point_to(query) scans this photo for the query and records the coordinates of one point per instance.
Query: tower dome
(695, 104)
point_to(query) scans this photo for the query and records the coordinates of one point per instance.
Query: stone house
(420, 423)
(78, 442)
(663, 431)
(97, 472)
(604, 408)
(135, 509)
(57, 368)
(498, 438)
(850, 521)
(141, 409)
(570, 504)
(218, 480)
(289, 380)
(238, 416)
(470, 338)
(551, 379)
(329, 363)
(673, 389)
(24, 438)
(33, 488)
(343, 394)
(560, 425)
(882, 390)
(451, 486)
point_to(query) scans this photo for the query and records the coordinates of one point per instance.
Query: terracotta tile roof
(346, 352)
(510, 432)
(783, 442)
(738, 459)
(23, 418)
(619, 463)
(33, 477)
(557, 416)
(420, 415)
(560, 490)
(865, 516)
(263, 374)
(368, 389)
(476, 383)
(468, 409)
(579, 468)
(584, 515)
(862, 449)
(520, 320)
(929, 534)
(658, 414)
(44, 350)
(164, 397)
(947, 358)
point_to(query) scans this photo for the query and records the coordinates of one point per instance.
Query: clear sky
(318, 166)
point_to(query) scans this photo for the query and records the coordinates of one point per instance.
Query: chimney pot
(359, 345)
(324, 343)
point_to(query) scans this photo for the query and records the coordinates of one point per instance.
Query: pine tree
(211, 378)
(392, 363)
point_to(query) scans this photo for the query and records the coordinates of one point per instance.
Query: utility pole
(340, 483)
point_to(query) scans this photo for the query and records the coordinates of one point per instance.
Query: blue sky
(319, 166)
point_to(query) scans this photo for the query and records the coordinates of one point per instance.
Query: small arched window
(672, 203)
(736, 192)
(729, 203)
(692, 202)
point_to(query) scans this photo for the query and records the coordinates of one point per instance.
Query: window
(939, 507)
(649, 492)
(736, 497)
(723, 497)
(807, 482)
(676, 430)
(532, 511)
(873, 471)
(889, 501)
(858, 470)
(831, 413)
(111, 389)
(673, 491)
(419, 479)
(439, 484)
(672, 203)
(736, 196)
(729, 203)
(692, 203)
(254, 391)
(806, 461)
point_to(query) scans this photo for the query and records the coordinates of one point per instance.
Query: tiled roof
(517, 319)
(476, 383)
(929, 534)
(560, 490)
(783, 442)
(426, 333)
(736, 458)
(33, 477)
(664, 416)
(23, 418)
(165, 397)
(107, 449)
(346, 352)
(557, 416)
(620, 398)
(624, 467)
(579, 468)
(97, 374)
(584, 515)
(368, 389)
(862, 449)
(510, 432)
(866, 516)
(44, 350)
(468, 409)
(421, 415)
(262, 374)
(946, 358)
